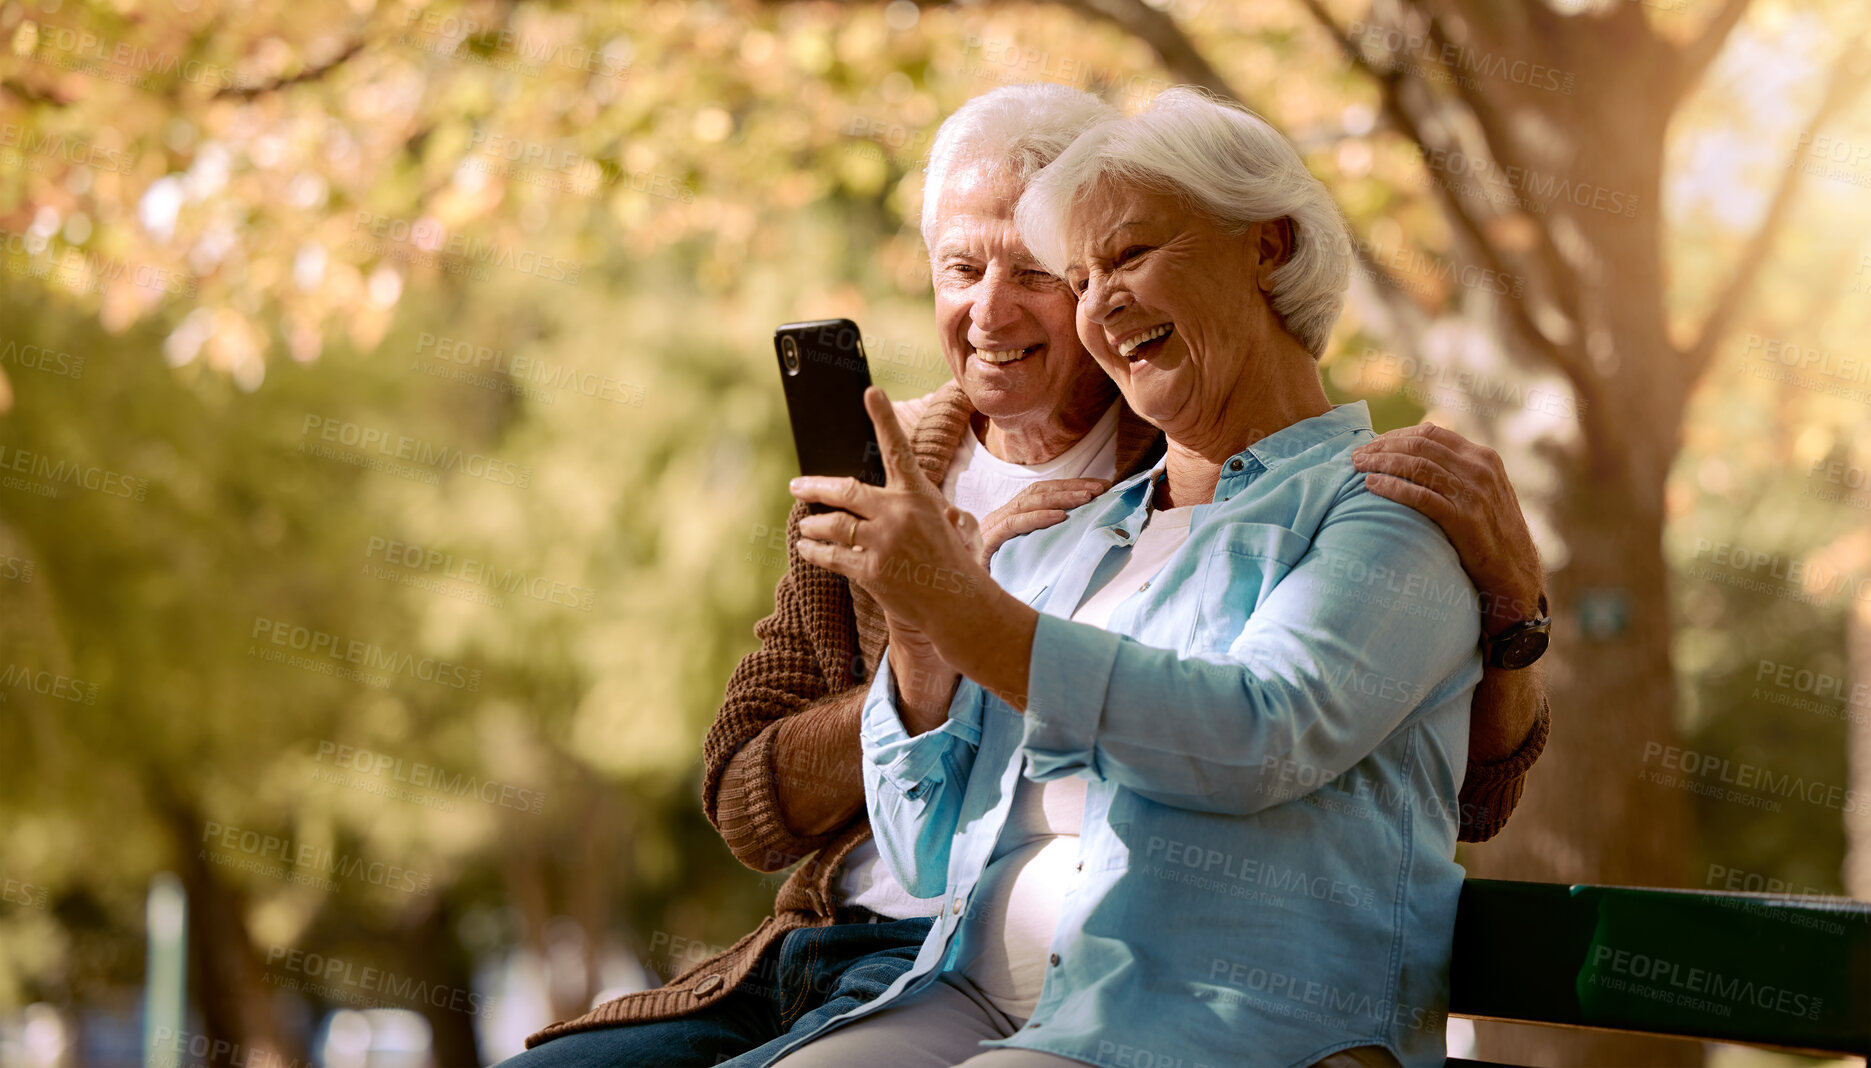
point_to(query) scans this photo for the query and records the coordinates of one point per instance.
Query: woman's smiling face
(1171, 307)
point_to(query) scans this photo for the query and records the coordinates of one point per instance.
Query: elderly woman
(1185, 765)
(1029, 428)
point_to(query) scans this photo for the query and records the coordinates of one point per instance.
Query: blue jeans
(812, 975)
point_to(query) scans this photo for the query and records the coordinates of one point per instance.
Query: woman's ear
(1273, 239)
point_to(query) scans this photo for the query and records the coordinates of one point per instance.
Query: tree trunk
(1857, 872)
(1589, 813)
(224, 968)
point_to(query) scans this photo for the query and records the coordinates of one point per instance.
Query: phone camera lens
(789, 355)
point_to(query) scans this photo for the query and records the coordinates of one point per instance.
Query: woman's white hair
(1223, 161)
(1015, 129)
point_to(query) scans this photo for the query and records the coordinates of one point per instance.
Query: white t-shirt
(1015, 909)
(979, 482)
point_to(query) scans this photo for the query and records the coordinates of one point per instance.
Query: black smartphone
(825, 374)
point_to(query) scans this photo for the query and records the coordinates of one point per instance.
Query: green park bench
(1786, 972)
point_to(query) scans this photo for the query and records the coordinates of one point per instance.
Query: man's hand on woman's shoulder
(1464, 488)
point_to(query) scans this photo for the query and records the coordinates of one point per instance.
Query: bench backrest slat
(1751, 968)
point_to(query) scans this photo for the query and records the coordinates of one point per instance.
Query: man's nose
(997, 304)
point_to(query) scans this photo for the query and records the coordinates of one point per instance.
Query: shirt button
(1081, 865)
(1122, 533)
(958, 906)
(1143, 587)
(1235, 464)
(1054, 959)
(707, 986)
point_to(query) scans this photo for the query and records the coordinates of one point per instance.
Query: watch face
(1521, 649)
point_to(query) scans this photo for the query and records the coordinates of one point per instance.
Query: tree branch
(1569, 361)
(1849, 75)
(1694, 58)
(309, 74)
(1158, 30)
(1561, 277)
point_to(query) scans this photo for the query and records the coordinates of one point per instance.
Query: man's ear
(1273, 239)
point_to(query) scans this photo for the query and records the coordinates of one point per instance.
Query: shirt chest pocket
(1245, 562)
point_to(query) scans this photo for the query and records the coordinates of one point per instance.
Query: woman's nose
(1101, 300)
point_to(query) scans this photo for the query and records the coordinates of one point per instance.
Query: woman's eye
(1131, 253)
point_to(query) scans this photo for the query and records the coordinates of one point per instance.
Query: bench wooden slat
(1758, 969)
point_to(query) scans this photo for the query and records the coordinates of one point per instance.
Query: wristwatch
(1519, 645)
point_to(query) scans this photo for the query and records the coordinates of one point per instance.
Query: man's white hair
(1223, 161)
(1015, 129)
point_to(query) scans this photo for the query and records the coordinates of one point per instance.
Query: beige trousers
(941, 1026)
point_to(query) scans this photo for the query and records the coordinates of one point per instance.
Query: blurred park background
(392, 465)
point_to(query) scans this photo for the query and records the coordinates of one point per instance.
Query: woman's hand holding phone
(917, 554)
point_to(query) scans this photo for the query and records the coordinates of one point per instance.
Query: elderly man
(1030, 428)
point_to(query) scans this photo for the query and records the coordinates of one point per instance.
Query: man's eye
(967, 270)
(1131, 253)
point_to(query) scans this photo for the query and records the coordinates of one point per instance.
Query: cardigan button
(958, 906)
(1235, 464)
(708, 986)
(1053, 960)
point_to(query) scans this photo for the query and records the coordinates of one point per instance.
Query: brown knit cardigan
(821, 643)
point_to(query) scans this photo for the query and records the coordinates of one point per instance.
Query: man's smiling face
(1008, 327)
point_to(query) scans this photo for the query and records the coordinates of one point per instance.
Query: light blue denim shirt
(1273, 731)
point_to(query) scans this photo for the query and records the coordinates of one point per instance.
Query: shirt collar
(1268, 453)
(1281, 446)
